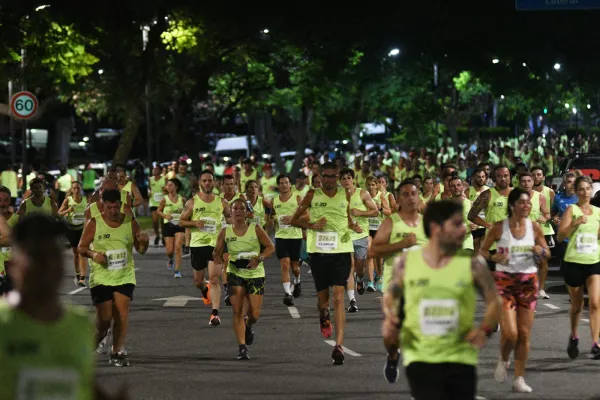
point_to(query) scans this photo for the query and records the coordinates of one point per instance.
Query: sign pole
(11, 129)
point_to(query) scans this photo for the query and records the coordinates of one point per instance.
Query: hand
(556, 220)
(537, 250)
(410, 240)
(199, 224)
(99, 258)
(254, 262)
(354, 212)
(541, 220)
(499, 258)
(477, 337)
(218, 260)
(356, 228)
(168, 217)
(473, 226)
(71, 209)
(488, 226)
(579, 221)
(319, 225)
(286, 219)
(143, 238)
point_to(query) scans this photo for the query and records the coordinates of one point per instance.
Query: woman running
(426, 197)
(246, 271)
(170, 208)
(581, 225)
(375, 265)
(520, 242)
(73, 208)
(382, 185)
(255, 203)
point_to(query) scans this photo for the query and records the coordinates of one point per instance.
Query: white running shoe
(543, 295)
(103, 346)
(520, 386)
(500, 374)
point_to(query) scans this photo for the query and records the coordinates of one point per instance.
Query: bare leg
(237, 295)
(576, 294)
(121, 316)
(524, 324)
(214, 274)
(593, 287)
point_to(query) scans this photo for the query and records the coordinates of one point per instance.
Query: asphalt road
(176, 355)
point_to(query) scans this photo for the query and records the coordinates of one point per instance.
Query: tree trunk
(273, 142)
(302, 132)
(132, 125)
(58, 146)
(355, 133)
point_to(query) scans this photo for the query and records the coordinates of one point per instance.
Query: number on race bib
(246, 255)
(327, 240)
(42, 384)
(175, 219)
(587, 243)
(116, 259)
(78, 219)
(158, 196)
(438, 317)
(374, 224)
(210, 225)
(283, 225)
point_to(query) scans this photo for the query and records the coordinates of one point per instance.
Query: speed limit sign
(24, 105)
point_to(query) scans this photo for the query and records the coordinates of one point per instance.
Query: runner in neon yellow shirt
(73, 210)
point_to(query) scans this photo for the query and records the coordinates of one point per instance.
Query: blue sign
(533, 5)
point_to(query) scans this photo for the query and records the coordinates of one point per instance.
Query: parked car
(587, 163)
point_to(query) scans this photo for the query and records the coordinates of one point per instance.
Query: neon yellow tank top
(77, 217)
(243, 247)
(45, 208)
(547, 227)
(335, 237)
(6, 254)
(117, 245)
(127, 188)
(156, 191)
(399, 176)
(283, 209)
(244, 178)
(211, 213)
(400, 230)
(363, 222)
(259, 212)
(34, 367)
(583, 242)
(496, 210)
(468, 242)
(535, 212)
(375, 222)
(439, 311)
(269, 186)
(173, 209)
(425, 199)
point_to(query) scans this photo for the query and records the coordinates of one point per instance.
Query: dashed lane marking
(81, 289)
(551, 306)
(294, 312)
(346, 350)
(585, 320)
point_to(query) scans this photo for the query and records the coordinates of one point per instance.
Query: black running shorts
(330, 269)
(575, 275)
(477, 233)
(201, 256)
(74, 236)
(169, 230)
(450, 381)
(255, 286)
(288, 248)
(101, 293)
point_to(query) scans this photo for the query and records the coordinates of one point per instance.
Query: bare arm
(480, 204)
(372, 210)
(137, 195)
(381, 246)
(219, 247)
(541, 247)
(140, 239)
(484, 282)
(184, 219)
(161, 207)
(22, 208)
(87, 237)
(392, 303)
(5, 232)
(494, 234)
(297, 219)
(567, 225)
(544, 212)
(64, 208)
(226, 209)
(385, 206)
(54, 209)
(265, 241)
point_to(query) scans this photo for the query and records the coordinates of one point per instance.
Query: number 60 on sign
(24, 105)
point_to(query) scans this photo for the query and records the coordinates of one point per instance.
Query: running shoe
(103, 345)
(360, 286)
(119, 360)
(297, 290)
(170, 264)
(156, 241)
(391, 371)
(177, 275)
(573, 348)
(595, 353)
(76, 280)
(501, 374)
(81, 282)
(186, 250)
(288, 300)
(543, 295)
(370, 287)
(214, 320)
(326, 329)
(520, 386)
(249, 336)
(353, 307)
(243, 354)
(338, 355)
(227, 300)
(379, 285)
(206, 295)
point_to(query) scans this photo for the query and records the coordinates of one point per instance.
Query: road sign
(177, 301)
(24, 105)
(533, 5)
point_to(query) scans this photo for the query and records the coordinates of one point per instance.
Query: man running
(96, 208)
(431, 304)
(125, 185)
(478, 186)
(561, 203)
(401, 231)
(73, 210)
(288, 239)
(330, 246)
(494, 202)
(362, 207)
(39, 203)
(7, 222)
(156, 185)
(230, 195)
(204, 213)
(455, 187)
(107, 241)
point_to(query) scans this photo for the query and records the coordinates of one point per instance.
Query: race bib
(6, 250)
(255, 220)
(283, 225)
(116, 259)
(175, 219)
(158, 196)
(374, 224)
(438, 317)
(210, 225)
(587, 243)
(78, 219)
(247, 255)
(327, 240)
(47, 384)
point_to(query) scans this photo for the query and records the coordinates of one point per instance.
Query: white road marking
(294, 312)
(551, 306)
(81, 289)
(585, 320)
(346, 350)
(177, 301)
(186, 255)
(136, 269)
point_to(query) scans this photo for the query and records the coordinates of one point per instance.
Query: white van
(231, 149)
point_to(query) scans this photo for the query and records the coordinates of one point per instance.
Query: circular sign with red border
(24, 105)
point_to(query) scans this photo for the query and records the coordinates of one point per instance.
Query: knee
(594, 305)
(510, 335)
(524, 334)
(577, 306)
(254, 315)
(285, 264)
(338, 299)
(199, 282)
(214, 279)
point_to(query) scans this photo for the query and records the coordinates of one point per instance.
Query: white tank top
(519, 250)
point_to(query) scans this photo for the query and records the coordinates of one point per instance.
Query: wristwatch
(261, 258)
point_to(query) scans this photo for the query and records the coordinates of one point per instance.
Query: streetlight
(524, 64)
(574, 110)
(100, 71)
(495, 61)
(589, 106)
(265, 31)
(567, 105)
(42, 7)
(394, 52)
(557, 66)
(502, 96)
(145, 31)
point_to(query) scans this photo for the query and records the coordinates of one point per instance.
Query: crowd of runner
(429, 229)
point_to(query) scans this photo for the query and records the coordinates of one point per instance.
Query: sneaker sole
(386, 378)
(573, 354)
(338, 360)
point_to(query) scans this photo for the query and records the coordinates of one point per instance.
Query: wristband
(543, 252)
(488, 331)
